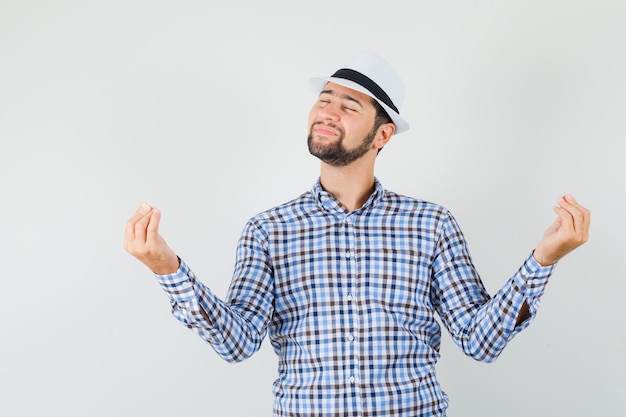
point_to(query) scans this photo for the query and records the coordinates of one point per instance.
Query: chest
(380, 263)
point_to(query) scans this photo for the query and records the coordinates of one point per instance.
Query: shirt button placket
(352, 310)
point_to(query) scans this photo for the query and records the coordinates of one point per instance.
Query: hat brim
(317, 84)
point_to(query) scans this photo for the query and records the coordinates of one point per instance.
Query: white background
(200, 108)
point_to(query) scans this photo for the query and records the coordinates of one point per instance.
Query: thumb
(152, 231)
(556, 224)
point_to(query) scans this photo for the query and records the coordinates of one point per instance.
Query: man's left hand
(569, 231)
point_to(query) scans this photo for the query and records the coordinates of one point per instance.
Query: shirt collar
(326, 200)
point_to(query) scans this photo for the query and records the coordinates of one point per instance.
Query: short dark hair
(381, 118)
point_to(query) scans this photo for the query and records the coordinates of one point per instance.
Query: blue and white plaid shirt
(349, 301)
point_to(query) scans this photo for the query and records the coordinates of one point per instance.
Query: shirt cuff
(179, 286)
(533, 277)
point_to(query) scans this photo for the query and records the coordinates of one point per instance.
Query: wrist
(541, 259)
(167, 267)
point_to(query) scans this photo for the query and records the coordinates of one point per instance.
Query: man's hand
(142, 240)
(569, 231)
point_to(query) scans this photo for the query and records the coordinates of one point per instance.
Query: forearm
(523, 315)
(511, 310)
(232, 336)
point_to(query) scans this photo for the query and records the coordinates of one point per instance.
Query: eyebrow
(342, 96)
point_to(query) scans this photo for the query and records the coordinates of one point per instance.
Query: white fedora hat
(371, 74)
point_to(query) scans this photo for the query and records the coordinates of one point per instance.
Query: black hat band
(364, 81)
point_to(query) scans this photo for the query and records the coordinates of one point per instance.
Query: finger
(132, 221)
(152, 232)
(569, 203)
(571, 200)
(565, 219)
(141, 227)
(586, 214)
(580, 214)
(141, 211)
(574, 229)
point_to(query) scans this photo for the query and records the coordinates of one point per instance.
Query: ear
(384, 134)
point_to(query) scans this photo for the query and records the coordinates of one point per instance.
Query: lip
(324, 130)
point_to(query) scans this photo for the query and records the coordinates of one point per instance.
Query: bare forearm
(523, 314)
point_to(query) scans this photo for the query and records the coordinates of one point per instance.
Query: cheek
(311, 117)
(315, 116)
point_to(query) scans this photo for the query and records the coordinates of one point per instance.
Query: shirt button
(350, 338)
(352, 379)
(348, 254)
(349, 297)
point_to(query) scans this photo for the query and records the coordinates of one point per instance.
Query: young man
(348, 277)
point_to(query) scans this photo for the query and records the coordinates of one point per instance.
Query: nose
(330, 112)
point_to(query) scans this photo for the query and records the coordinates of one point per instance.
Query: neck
(350, 185)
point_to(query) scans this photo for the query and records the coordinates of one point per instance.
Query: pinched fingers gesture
(142, 240)
(569, 231)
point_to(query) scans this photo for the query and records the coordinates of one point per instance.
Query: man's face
(341, 125)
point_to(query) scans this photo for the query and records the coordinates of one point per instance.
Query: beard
(334, 153)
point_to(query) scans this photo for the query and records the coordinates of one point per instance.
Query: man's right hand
(142, 240)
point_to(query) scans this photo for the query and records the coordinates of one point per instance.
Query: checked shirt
(349, 302)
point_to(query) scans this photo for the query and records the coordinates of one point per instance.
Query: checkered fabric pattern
(349, 300)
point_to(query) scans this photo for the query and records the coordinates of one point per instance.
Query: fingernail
(145, 207)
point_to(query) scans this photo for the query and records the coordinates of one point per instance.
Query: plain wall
(200, 108)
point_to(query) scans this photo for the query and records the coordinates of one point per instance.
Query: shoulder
(419, 214)
(290, 211)
(405, 204)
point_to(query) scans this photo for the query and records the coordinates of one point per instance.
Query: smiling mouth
(325, 130)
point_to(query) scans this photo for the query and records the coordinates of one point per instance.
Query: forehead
(340, 91)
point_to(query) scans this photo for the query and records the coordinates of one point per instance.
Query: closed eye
(350, 103)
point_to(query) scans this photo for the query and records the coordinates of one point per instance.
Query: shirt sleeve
(236, 326)
(479, 324)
